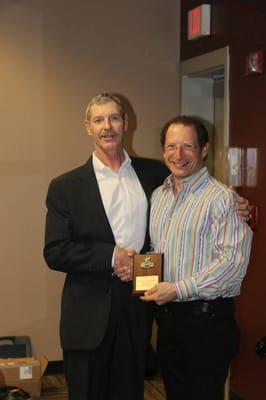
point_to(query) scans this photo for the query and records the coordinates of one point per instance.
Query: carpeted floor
(54, 388)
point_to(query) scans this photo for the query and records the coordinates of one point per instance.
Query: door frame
(204, 64)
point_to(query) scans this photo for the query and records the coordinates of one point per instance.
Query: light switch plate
(254, 63)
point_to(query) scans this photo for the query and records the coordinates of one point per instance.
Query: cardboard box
(25, 373)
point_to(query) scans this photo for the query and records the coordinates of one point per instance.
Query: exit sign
(199, 22)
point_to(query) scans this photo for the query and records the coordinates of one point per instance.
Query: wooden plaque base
(147, 272)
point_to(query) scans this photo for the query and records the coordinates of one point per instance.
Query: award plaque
(147, 271)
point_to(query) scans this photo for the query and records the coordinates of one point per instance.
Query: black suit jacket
(79, 241)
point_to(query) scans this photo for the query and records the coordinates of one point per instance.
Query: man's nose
(178, 151)
(107, 123)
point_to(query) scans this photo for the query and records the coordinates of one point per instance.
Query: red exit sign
(199, 22)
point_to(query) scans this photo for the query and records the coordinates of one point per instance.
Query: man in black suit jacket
(96, 220)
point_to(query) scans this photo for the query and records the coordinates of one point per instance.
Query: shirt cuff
(113, 259)
(186, 289)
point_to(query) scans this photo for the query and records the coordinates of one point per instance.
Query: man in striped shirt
(206, 248)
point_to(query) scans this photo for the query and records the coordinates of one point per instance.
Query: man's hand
(123, 263)
(242, 208)
(161, 293)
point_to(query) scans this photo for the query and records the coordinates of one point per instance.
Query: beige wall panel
(54, 56)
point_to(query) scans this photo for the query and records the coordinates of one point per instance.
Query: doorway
(205, 94)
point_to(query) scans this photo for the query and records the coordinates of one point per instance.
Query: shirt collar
(99, 166)
(193, 182)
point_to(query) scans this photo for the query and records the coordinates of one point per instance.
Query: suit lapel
(91, 193)
(142, 175)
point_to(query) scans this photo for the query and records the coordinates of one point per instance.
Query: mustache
(107, 134)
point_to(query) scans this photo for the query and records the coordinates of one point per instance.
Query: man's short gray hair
(103, 98)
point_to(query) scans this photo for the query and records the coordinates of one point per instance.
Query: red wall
(241, 25)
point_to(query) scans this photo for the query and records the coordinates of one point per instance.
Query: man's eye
(115, 118)
(170, 147)
(187, 146)
(98, 120)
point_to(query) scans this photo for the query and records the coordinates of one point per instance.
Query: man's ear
(87, 127)
(126, 122)
(204, 151)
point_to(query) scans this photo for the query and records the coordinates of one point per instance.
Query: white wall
(55, 55)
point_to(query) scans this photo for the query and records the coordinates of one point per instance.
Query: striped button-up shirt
(206, 245)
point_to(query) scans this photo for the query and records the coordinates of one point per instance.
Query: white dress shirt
(124, 201)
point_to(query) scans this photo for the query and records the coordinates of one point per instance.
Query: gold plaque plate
(147, 271)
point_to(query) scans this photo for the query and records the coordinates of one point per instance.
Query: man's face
(182, 153)
(106, 126)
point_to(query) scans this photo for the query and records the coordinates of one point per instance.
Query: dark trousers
(114, 370)
(196, 343)
(151, 364)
